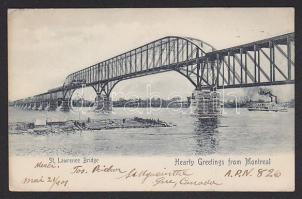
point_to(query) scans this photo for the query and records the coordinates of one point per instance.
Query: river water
(236, 132)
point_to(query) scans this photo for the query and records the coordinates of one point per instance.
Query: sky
(45, 45)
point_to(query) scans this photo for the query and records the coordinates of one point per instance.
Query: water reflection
(206, 135)
(230, 134)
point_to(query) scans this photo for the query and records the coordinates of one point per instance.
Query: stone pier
(206, 103)
(65, 105)
(36, 106)
(43, 105)
(31, 107)
(103, 103)
(51, 105)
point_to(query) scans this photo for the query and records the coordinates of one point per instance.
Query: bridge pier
(103, 102)
(206, 103)
(65, 105)
(43, 106)
(51, 105)
(36, 106)
(39, 106)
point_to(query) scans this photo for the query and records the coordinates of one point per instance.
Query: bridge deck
(260, 63)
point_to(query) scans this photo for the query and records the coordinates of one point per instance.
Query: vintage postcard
(186, 99)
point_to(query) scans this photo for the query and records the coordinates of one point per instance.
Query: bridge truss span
(260, 63)
(161, 55)
(265, 62)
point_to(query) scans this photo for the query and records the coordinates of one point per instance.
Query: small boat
(267, 106)
(273, 105)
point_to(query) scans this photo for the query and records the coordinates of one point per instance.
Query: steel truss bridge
(260, 63)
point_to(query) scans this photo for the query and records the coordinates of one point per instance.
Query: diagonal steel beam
(181, 69)
(218, 67)
(284, 54)
(243, 66)
(259, 68)
(233, 72)
(273, 63)
(220, 73)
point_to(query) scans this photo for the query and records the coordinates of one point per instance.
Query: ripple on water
(246, 133)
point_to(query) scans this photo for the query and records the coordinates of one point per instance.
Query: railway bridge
(259, 63)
